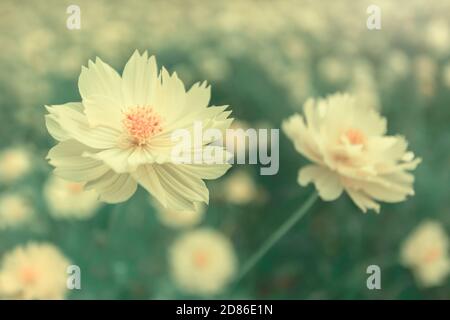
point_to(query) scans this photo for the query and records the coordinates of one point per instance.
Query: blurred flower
(68, 199)
(14, 210)
(333, 70)
(294, 47)
(36, 45)
(348, 144)
(438, 35)
(180, 219)
(14, 163)
(202, 262)
(398, 63)
(426, 70)
(364, 87)
(120, 135)
(111, 36)
(425, 251)
(33, 271)
(239, 188)
(213, 66)
(70, 65)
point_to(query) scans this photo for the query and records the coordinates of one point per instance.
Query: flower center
(74, 188)
(28, 275)
(432, 255)
(201, 258)
(355, 136)
(141, 123)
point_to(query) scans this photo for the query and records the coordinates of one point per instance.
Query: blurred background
(264, 58)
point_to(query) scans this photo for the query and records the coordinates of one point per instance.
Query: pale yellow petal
(113, 187)
(115, 158)
(198, 96)
(100, 79)
(303, 139)
(71, 165)
(172, 187)
(146, 176)
(103, 82)
(327, 182)
(76, 126)
(100, 113)
(363, 201)
(139, 80)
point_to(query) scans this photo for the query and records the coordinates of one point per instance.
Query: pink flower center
(201, 258)
(355, 136)
(141, 123)
(432, 255)
(28, 275)
(74, 187)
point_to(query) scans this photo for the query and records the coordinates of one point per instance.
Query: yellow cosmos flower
(180, 219)
(34, 271)
(239, 188)
(351, 152)
(67, 199)
(202, 262)
(425, 251)
(15, 162)
(120, 135)
(14, 211)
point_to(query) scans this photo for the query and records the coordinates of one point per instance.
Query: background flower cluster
(264, 58)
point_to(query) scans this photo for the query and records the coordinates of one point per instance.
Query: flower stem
(277, 235)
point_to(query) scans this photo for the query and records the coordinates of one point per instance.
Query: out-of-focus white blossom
(68, 199)
(14, 163)
(15, 210)
(426, 69)
(437, 35)
(180, 219)
(333, 70)
(239, 188)
(202, 262)
(33, 271)
(425, 251)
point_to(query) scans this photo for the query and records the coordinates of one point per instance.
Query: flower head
(351, 152)
(180, 219)
(120, 135)
(67, 199)
(33, 271)
(14, 163)
(425, 251)
(202, 262)
(239, 188)
(14, 210)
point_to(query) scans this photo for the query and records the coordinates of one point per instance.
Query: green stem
(277, 235)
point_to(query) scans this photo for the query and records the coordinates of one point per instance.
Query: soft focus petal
(327, 183)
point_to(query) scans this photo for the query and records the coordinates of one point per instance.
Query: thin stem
(277, 235)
